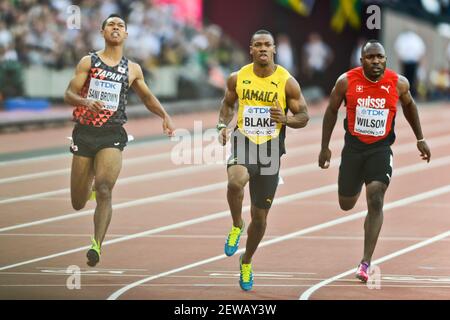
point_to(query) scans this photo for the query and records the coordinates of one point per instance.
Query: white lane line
(154, 175)
(306, 294)
(331, 223)
(151, 158)
(162, 197)
(205, 236)
(50, 173)
(31, 176)
(168, 196)
(400, 149)
(214, 216)
(123, 181)
(69, 155)
(210, 217)
(126, 162)
(158, 198)
(133, 145)
(162, 285)
(424, 117)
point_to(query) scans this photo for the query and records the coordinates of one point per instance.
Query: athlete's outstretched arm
(150, 101)
(227, 108)
(329, 120)
(296, 103)
(412, 115)
(72, 96)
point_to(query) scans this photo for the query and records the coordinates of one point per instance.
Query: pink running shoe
(362, 273)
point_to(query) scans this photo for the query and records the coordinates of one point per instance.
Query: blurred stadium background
(188, 48)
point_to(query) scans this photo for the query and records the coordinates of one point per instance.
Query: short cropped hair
(113, 15)
(262, 31)
(371, 41)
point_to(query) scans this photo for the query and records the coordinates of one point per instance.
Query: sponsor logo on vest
(386, 88)
(275, 83)
(106, 84)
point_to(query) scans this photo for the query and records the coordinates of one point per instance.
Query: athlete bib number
(106, 91)
(370, 121)
(257, 121)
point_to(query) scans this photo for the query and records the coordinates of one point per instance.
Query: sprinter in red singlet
(370, 93)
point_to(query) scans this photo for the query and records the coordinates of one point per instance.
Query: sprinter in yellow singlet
(266, 92)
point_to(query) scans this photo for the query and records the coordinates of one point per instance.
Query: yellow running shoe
(232, 243)
(246, 278)
(93, 195)
(93, 254)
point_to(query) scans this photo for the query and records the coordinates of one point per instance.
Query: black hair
(368, 42)
(113, 15)
(262, 31)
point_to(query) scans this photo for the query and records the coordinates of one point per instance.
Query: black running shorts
(358, 167)
(88, 140)
(263, 179)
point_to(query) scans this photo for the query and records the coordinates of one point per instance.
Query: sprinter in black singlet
(99, 91)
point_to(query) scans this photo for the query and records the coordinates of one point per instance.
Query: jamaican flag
(344, 11)
(303, 7)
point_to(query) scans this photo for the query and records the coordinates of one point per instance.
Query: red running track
(169, 225)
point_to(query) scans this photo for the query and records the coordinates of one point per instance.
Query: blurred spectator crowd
(35, 32)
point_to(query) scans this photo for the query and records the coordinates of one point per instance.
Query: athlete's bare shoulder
(233, 76)
(133, 66)
(292, 87)
(134, 71)
(85, 63)
(341, 84)
(342, 79)
(232, 80)
(402, 85)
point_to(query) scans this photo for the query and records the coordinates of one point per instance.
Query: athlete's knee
(235, 186)
(259, 221)
(77, 204)
(103, 190)
(346, 204)
(259, 217)
(375, 197)
(375, 202)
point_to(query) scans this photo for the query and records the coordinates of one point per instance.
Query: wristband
(421, 140)
(220, 126)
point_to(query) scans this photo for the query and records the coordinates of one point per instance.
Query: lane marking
(67, 154)
(218, 285)
(400, 149)
(218, 215)
(164, 141)
(204, 236)
(153, 199)
(123, 181)
(305, 295)
(151, 158)
(388, 206)
(286, 172)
